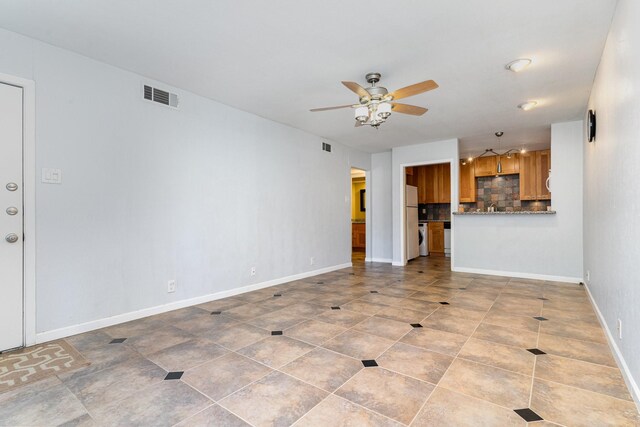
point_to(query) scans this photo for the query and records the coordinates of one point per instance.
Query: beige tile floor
(451, 350)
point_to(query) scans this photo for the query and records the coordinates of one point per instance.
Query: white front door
(11, 218)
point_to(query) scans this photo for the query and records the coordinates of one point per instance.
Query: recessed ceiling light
(518, 65)
(526, 106)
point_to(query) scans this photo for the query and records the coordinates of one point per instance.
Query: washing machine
(423, 239)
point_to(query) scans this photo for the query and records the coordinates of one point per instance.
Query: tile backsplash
(504, 193)
(434, 211)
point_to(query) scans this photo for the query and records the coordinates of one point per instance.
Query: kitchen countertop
(507, 213)
(422, 221)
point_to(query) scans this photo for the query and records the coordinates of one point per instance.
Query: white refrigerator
(411, 222)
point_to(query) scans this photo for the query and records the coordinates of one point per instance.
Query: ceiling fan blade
(415, 89)
(357, 89)
(330, 108)
(358, 124)
(408, 109)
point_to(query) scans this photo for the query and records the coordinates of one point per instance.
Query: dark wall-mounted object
(591, 126)
(362, 200)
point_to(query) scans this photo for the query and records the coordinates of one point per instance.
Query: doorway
(11, 217)
(358, 215)
(427, 211)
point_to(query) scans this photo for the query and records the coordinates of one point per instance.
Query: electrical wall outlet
(619, 329)
(588, 275)
(171, 286)
(312, 260)
(253, 271)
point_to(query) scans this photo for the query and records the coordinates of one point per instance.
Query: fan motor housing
(373, 78)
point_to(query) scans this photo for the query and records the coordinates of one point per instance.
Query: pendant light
(491, 151)
(498, 135)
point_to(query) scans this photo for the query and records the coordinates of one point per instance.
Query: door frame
(367, 213)
(29, 204)
(403, 210)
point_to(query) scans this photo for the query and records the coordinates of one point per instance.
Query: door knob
(11, 210)
(11, 238)
(12, 186)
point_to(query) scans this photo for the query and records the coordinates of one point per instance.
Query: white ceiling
(278, 59)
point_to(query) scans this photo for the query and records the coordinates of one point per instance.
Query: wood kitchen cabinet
(434, 183)
(488, 165)
(420, 180)
(435, 233)
(485, 166)
(543, 165)
(534, 171)
(511, 165)
(430, 184)
(443, 176)
(467, 182)
(411, 176)
(358, 235)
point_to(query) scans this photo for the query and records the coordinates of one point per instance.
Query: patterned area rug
(35, 363)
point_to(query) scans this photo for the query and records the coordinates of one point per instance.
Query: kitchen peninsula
(522, 238)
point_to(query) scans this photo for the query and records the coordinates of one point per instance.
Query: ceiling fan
(376, 103)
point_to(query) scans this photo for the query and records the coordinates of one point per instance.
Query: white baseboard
(622, 364)
(385, 260)
(398, 263)
(518, 274)
(145, 312)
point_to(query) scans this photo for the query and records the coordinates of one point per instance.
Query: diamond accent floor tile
(369, 363)
(528, 415)
(174, 375)
(536, 351)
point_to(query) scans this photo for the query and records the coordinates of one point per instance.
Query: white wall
(537, 246)
(200, 194)
(381, 217)
(427, 153)
(612, 180)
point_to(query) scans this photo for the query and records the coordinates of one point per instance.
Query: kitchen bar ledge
(507, 213)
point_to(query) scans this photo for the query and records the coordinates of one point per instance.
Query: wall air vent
(160, 96)
(326, 147)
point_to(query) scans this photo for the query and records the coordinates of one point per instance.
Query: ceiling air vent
(160, 96)
(326, 147)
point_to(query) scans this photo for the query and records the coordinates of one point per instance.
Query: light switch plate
(51, 176)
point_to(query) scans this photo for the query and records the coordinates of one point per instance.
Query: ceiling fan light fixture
(362, 114)
(384, 110)
(518, 65)
(375, 104)
(526, 106)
